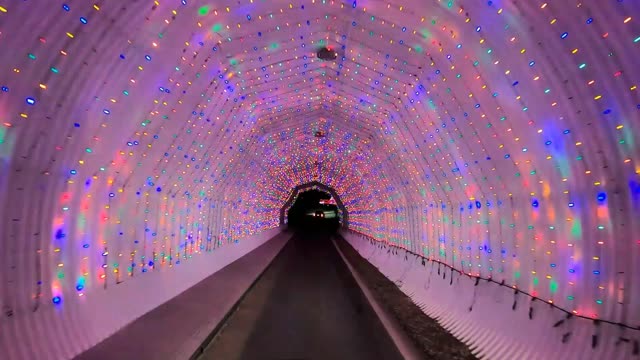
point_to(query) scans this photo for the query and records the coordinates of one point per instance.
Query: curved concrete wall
(495, 321)
(497, 138)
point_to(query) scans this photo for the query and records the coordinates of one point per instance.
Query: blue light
(106, 111)
(5, 89)
(602, 196)
(65, 7)
(31, 101)
(596, 272)
(73, 172)
(79, 287)
(564, 35)
(478, 29)
(147, 57)
(535, 203)
(571, 204)
(56, 300)
(83, 20)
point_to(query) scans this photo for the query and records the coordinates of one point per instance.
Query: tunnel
(482, 154)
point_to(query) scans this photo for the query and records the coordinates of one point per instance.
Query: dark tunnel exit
(314, 210)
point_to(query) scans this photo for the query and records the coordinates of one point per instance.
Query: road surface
(305, 306)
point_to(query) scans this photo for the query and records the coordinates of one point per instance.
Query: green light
(274, 46)
(570, 297)
(599, 302)
(553, 286)
(535, 281)
(88, 150)
(216, 27)
(636, 39)
(576, 229)
(203, 10)
(582, 66)
(32, 57)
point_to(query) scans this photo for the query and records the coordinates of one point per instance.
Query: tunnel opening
(341, 220)
(314, 210)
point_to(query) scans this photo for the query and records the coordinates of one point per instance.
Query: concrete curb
(405, 346)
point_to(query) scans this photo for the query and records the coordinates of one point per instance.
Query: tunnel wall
(492, 320)
(64, 331)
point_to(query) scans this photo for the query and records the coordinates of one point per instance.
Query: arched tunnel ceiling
(498, 137)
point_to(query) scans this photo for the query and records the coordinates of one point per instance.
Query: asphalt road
(305, 306)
